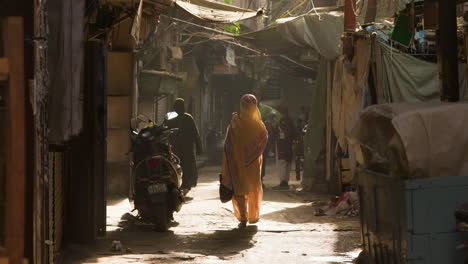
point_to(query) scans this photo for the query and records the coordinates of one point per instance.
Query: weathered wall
(120, 82)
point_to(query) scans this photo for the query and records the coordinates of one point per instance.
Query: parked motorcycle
(156, 175)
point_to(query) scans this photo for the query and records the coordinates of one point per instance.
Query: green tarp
(314, 140)
(405, 78)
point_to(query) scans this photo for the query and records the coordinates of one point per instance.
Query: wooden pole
(371, 11)
(349, 16)
(448, 52)
(13, 37)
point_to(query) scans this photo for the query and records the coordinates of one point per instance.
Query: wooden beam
(371, 11)
(4, 69)
(329, 123)
(448, 51)
(350, 16)
(13, 37)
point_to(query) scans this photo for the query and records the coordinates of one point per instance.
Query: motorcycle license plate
(157, 188)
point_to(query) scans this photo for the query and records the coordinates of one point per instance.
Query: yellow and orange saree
(242, 162)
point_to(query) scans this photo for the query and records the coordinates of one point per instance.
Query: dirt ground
(206, 232)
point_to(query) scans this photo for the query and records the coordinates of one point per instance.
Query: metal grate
(55, 205)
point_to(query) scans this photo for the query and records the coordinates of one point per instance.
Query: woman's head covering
(179, 106)
(248, 107)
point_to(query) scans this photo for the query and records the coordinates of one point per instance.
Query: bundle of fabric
(347, 204)
(413, 140)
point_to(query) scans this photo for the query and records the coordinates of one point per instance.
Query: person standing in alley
(245, 143)
(186, 144)
(284, 138)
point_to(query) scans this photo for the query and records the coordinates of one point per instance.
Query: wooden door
(12, 74)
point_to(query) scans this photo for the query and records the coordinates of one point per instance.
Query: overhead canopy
(321, 32)
(216, 12)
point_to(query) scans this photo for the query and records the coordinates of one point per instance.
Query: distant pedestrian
(284, 136)
(186, 144)
(245, 142)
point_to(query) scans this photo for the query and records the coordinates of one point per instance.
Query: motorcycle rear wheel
(160, 218)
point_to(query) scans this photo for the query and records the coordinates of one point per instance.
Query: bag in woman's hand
(225, 194)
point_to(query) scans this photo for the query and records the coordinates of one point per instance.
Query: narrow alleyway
(206, 232)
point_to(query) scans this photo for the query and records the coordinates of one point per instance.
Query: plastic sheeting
(350, 95)
(314, 140)
(216, 12)
(350, 88)
(404, 78)
(384, 8)
(320, 32)
(418, 140)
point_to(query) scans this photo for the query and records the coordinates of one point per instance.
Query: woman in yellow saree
(242, 162)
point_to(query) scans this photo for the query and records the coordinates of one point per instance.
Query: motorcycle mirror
(171, 115)
(143, 118)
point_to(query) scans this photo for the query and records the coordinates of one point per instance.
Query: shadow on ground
(220, 243)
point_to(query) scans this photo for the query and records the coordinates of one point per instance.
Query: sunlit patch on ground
(115, 210)
(206, 232)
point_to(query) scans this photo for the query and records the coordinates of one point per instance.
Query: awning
(321, 32)
(158, 82)
(162, 74)
(216, 12)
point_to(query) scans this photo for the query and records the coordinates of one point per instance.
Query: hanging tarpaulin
(382, 9)
(320, 32)
(403, 78)
(137, 23)
(216, 12)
